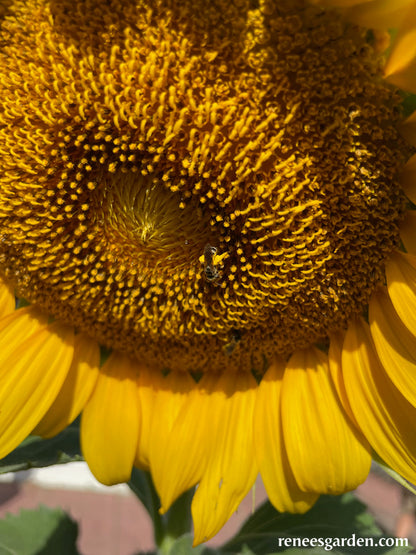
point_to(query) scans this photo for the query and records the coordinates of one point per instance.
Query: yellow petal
(408, 231)
(76, 389)
(408, 129)
(17, 326)
(401, 285)
(231, 468)
(147, 385)
(110, 422)
(324, 449)
(395, 345)
(335, 370)
(379, 14)
(177, 436)
(408, 179)
(401, 65)
(7, 299)
(32, 371)
(384, 415)
(270, 450)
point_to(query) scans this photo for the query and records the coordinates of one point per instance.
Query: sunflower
(220, 195)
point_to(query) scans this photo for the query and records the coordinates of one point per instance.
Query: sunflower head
(202, 193)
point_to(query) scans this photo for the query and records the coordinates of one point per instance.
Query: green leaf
(42, 531)
(331, 519)
(35, 452)
(247, 551)
(183, 546)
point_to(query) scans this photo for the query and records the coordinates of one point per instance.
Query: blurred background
(112, 521)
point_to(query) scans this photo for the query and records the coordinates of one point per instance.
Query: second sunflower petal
(323, 447)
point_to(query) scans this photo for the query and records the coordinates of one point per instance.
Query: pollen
(200, 185)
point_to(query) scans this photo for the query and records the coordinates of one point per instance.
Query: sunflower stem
(142, 486)
(170, 526)
(177, 522)
(179, 518)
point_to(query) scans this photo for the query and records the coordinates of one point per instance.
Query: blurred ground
(113, 522)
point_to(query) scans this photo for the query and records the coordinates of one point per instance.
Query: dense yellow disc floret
(200, 184)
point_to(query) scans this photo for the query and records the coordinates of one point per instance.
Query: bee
(210, 270)
(235, 339)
